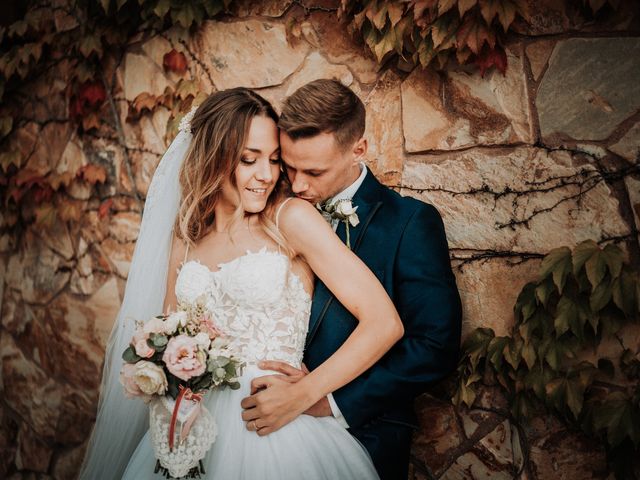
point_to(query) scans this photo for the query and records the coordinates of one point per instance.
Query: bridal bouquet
(172, 360)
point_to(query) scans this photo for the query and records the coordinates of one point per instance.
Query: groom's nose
(298, 184)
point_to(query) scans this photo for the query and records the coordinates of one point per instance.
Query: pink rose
(128, 381)
(183, 358)
(140, 344)
(207, 326)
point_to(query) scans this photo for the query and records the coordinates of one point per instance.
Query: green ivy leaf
(162, 7)
(601, 296)
(554, 355)
(6, 124)
(464, 394)
(582, 253)
(596, 268)
(529, 354)
(495, 351)
(619, 418)
(476, 345)
(544, 290)
(566, 316)
(513, 352)
(613, 257)
(625, 293)
(558, 263)
(90, 44)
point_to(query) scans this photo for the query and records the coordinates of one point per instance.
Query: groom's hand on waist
(319, 409)
(274, 402)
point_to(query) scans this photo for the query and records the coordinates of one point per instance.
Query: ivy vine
(553, 359)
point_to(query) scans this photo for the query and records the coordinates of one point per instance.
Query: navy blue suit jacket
(402, 240)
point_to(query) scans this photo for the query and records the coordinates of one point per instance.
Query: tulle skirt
(308, 448)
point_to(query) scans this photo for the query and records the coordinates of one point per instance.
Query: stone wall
(517, 164)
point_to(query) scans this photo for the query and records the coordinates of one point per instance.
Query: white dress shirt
(348, 192)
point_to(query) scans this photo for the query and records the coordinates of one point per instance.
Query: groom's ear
(359, 150)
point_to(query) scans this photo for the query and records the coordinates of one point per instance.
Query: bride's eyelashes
(251, 161)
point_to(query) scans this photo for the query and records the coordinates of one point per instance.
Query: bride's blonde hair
(220, 128)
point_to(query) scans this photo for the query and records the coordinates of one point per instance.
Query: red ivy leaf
(43, 194)
(92, 174)
(105, 208)
(91, 95)
(492, 57)
(175, 62)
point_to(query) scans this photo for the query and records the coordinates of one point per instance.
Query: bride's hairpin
(185, 123)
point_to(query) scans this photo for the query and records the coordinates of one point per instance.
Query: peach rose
(128, 381)
(183, 357)
(150, 378)
(140, 344)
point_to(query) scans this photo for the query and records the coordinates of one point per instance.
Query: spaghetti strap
(279, 210)
(186, 252)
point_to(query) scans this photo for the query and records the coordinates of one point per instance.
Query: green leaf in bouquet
(222, 361)
(230, 368)
(130, 356)
(234, 385)
(173, 383)
(158, 340)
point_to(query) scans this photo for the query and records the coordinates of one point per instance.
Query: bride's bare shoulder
(178, 250)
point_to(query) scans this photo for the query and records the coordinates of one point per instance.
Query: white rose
(345, 208)
(150, 378)
(353, 220)
(219, 348)
(173, 320)
(203, 340)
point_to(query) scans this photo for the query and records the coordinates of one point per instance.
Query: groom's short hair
(324, 106)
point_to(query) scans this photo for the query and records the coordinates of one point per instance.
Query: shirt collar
(351, 190)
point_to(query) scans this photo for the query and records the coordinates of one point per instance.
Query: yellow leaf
(395, 13)
(445, 6)
(465, 5)
(10, 158)
(45, 215)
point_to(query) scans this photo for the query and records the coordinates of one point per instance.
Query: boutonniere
(343, 211)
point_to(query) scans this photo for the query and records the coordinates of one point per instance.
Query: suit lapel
(368, 203)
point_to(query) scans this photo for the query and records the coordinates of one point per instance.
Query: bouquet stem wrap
(198, 431)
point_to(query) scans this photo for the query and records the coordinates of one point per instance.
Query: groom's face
(317, 167)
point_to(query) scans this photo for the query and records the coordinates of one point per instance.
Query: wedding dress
(263, 308)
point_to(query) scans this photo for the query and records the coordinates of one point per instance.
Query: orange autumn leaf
(105, 208)
(474, 34)
(92, 174)
(175, 61)
(69, 209)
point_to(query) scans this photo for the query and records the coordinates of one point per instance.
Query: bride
(217, 221)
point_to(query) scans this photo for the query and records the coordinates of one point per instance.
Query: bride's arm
(177, 253)
(354, 285)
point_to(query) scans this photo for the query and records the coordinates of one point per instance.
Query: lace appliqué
(256, 301)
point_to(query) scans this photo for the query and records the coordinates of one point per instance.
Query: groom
(402, 240)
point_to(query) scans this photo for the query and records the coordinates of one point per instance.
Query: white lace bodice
(255, 300)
